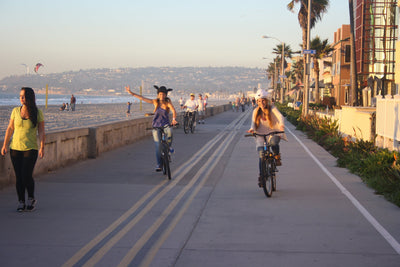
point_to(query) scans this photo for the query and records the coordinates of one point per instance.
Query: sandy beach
(84, 115)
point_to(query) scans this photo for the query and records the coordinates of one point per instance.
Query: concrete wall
(67, 147)
(358, 122)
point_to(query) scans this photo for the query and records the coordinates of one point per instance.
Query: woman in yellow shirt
(25, 122)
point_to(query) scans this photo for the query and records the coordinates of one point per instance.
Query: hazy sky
(67, 35)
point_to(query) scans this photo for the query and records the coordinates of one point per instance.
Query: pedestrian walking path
(116, 211)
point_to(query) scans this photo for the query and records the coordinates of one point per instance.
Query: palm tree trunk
(316, 71)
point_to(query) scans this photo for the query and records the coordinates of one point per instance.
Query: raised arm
(140, 97)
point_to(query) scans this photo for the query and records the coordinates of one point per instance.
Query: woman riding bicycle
(162, 106)
(266, 119)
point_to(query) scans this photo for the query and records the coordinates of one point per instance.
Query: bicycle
(268, 165)
(189, 121)
(164, 149)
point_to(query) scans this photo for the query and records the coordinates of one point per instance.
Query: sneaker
(21, 206)
(278, 160)
(158, 168)
(31, 204)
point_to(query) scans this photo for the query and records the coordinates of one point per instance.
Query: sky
(84, 34)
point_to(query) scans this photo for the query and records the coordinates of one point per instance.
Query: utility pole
(307, 70)
(353, 66)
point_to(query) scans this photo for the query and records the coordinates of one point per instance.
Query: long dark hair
(30, 102)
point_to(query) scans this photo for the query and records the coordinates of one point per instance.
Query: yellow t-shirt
(24, 137)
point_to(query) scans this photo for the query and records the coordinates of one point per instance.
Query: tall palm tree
(318, 8)
(322, 49)
(287, 53)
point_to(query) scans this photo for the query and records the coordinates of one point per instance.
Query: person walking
(128, 110)
(25, 122)
(201, 108)
(73, 102)
(162, 106)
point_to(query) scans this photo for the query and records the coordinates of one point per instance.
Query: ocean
(13, 99)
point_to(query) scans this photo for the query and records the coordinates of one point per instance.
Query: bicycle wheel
(166, 168)
(186, 124)
(266, 179)
(273, 174)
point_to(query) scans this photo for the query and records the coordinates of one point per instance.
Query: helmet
(262, 94)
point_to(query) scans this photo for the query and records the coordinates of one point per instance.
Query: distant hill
(110, 81)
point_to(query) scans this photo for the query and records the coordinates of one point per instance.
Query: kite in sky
(38, 65)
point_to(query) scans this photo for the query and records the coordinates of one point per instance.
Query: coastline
(84, 115)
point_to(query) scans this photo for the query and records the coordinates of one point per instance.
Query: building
(340, 69)
(375, 35)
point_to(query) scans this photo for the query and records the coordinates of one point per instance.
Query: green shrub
(378, 168)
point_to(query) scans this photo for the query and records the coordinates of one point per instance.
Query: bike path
(308, 221)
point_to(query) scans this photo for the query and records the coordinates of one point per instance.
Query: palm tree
(298, 70)
(322, 49)
(318, 8)
(288, 53)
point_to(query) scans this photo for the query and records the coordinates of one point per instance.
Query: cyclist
(191, 105)
(267, 118)
(162, 106)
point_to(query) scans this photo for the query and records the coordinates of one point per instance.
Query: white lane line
(389, 238)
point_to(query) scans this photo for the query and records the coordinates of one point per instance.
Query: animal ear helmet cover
(162, 89)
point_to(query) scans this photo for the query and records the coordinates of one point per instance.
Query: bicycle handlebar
(162, 128)
(263, 135)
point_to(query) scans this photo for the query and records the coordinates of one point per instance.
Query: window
(347, 54)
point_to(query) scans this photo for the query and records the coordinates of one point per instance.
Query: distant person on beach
(162, 106)
(67, 107)
(25, 122)
(73, 102)
(128, 111)
(62, 108)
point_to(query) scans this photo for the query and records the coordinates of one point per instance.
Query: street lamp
(274, 77)
(282, 61)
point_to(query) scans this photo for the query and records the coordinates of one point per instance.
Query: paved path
(116, 211)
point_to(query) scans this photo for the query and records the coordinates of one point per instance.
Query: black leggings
(24, 163)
